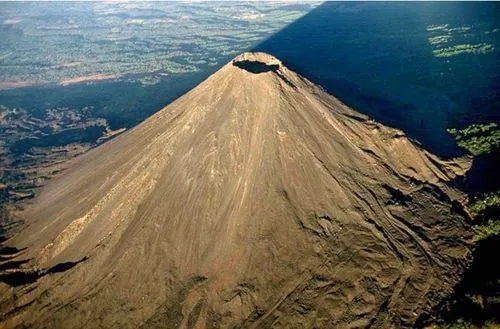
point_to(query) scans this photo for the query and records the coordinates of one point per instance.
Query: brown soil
(254, 201)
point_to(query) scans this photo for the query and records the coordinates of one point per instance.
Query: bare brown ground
(254, 201)
(93, 77)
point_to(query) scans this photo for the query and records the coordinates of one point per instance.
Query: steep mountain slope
(255, 200)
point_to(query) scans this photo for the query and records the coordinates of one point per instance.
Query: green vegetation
(480, 207)
(433, 28)
(481, 48)
(490, 228)
(127, 41)
(439, 39)
(482, 139)
(476, 300)
(480, 204)
(478, 139)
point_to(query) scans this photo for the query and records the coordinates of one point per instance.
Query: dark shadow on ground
(15, 275)
(483, 175)
(480, 281)
(379, 58)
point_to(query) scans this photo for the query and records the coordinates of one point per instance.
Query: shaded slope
(254, 200)
(391, 72)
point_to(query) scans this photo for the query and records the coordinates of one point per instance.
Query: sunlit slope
(255, 200)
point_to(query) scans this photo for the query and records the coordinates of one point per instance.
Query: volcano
(256, 200)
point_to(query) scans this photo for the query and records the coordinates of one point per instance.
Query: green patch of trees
(476, 300)
(478, 139)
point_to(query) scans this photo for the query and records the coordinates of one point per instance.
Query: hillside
(255, 200)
